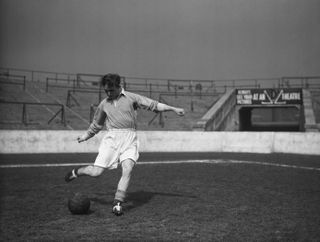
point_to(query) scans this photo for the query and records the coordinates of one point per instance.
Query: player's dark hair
(111, 80)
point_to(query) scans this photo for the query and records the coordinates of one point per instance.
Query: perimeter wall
(43, 141)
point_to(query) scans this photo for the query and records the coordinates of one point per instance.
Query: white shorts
(117, 146)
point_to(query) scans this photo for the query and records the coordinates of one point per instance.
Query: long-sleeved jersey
(121, 112)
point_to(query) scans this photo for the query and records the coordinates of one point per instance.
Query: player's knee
(96, 171)
(127, 167)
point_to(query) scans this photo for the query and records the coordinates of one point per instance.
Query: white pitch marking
(264, 164)
(43, 165)
(207, 161)
(85, 164)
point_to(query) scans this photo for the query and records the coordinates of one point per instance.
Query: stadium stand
(79, 94)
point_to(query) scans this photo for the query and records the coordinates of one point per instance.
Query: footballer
(119, 146)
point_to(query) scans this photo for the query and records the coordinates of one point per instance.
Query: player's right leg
(93, 171)
(119, 199)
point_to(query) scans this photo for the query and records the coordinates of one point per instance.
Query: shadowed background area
(200, 39)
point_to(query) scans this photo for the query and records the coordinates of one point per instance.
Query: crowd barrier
(62, 141)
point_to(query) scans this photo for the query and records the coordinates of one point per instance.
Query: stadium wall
(40, 141)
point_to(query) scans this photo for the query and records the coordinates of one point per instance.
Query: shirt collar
(123, 92)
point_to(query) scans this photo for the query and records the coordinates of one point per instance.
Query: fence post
(74, 85)
(191, 105)
(24, 114)
(161, 121)
(150, 90)
(68, 99)
(47, 84)
(91, 115)
(63, 116)
(24, 83)
(78, 80)
(100, 93)
(175, 91)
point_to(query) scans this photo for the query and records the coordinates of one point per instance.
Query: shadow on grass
(102, 198)
(135, 199)
(139, 198)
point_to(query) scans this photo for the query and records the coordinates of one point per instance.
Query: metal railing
(308, 82)
(207, 85)
(49, 80)
(24, 117)
(13, 79)
(71, 98)
(37, 75)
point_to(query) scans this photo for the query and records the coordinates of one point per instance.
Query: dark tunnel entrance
(257, 118)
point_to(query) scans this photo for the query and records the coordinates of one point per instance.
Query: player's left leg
(127, 167)
(107, 158)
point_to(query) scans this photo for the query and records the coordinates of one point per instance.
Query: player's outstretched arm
(161, 107)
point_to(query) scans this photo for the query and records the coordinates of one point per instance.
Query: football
(79, 204)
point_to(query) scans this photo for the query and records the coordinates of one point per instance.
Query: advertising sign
(269, 96)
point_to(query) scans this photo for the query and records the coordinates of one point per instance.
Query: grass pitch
(192, 201)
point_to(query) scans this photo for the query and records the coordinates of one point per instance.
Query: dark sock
(76, 171)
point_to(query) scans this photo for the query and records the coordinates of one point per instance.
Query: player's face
(112, 92)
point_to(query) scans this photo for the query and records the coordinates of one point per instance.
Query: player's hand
(179, 111)
(82, 138)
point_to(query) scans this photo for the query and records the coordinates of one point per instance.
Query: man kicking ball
(119, 145)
